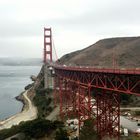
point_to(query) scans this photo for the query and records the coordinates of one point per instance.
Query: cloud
(75, 23)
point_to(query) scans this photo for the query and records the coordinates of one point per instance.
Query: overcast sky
(75, 24)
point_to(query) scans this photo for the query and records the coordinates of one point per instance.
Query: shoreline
(21, 99)
(28, 112)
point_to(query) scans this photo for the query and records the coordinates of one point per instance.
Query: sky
(75, 24)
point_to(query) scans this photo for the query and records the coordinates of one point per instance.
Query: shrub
(61, 134)
(37, 128)
(87, 132)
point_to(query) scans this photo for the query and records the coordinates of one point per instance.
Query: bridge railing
(135, 71)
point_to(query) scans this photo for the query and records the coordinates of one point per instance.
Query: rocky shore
(21, 98)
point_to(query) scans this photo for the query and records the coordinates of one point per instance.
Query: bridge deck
(99, 70)
(119, 80)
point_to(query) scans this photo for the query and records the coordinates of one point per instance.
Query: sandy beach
(28, 113)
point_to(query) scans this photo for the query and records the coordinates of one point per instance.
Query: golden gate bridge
(76, 86)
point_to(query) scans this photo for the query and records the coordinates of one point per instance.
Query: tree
(87, 132)
(61, 134)
(37, 128)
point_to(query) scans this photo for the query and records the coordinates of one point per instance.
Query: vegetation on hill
(35, 129)
(129, 100)
(126, 52)
(61, 134)
(87, 132)
(42, 100)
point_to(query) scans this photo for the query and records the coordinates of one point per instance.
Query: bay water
(13, 79)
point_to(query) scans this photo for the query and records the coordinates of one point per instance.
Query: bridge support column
(56, 91)
(67, 98)
(108, 115)
(48, 78)
(61, 97)
(85, 105)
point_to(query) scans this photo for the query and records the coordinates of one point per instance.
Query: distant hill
(7, 61)
(100, 54)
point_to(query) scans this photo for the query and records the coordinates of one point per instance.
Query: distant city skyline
(75, 24)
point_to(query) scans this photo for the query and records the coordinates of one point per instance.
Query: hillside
(124, 50)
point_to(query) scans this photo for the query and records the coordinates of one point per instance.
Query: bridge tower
(47, 45)
(48, 80)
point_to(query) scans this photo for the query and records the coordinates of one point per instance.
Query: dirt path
(29, 113)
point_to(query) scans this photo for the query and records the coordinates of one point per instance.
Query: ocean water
(13, 79)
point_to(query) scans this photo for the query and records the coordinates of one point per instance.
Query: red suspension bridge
(91, 93)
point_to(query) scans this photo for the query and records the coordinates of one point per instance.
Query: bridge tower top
(47, 45)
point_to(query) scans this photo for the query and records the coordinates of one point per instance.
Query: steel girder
(74, 98)
(120, 83)
(67, 97)
(108, 115)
